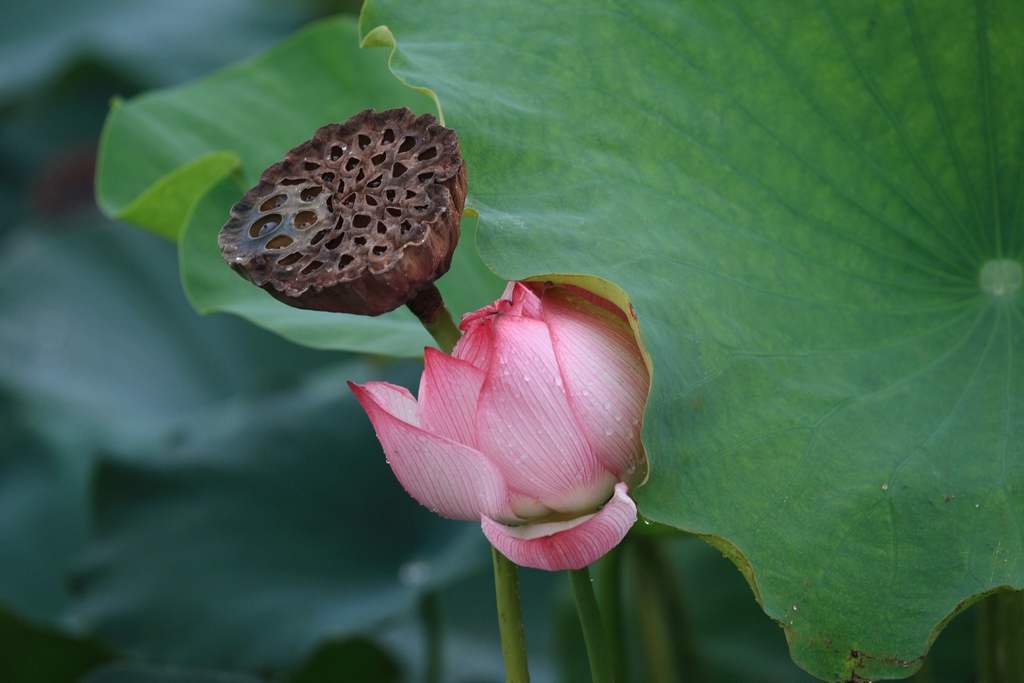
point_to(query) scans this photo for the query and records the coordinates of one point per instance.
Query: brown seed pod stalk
(360, 219)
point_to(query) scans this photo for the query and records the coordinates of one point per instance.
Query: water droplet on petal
(608, 431)
(607, 406)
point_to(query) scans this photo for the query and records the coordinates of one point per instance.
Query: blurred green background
(187, 498)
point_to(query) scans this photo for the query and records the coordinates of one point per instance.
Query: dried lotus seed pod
(359, 219)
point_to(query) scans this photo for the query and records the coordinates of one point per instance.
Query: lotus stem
(510, 619)
(429, 307)
(601, 669)
(609, 597)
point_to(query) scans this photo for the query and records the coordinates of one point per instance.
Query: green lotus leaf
(815, 210)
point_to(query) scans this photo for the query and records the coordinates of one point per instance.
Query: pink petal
(604, 375)
(565, 545)
(449, 478)
(449, 391)
(524, 422)
(392, 398)
(525, 302)
(477, 344)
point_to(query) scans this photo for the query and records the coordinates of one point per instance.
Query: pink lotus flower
(532, 426)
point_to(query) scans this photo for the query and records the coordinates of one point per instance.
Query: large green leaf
(163, 154)
(800, 199)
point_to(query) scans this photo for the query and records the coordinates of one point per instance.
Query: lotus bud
(532, 426)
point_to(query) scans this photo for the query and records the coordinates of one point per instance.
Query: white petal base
(565, 545)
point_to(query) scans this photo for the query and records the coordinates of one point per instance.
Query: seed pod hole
(294, 181)
(378, 159)
(388, 137)
(364, 141)
(360, 220)
(397, 213)
(274, 202)
(351, 163)
(334, 243)
(381, 228)
(265, 225)
(279, 242)
(290, 259)
(379, 250)
(397, 170)
(408, 143)
(304, 219)
(360, 241)
(310, 193)
(370, 201)
(312, 166)
(314, 265)
(427, 154)
(317, 238)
